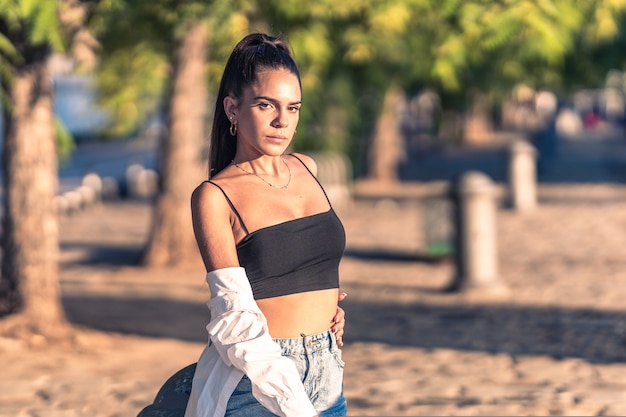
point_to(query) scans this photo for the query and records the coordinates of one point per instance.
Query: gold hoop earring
(232, 129)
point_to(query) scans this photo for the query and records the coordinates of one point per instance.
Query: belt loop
(305, 343)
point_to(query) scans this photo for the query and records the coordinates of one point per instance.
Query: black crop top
(294, 256)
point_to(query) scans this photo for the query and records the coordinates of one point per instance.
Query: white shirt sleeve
(239, 331)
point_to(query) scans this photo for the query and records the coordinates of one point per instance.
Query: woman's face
(267, 114)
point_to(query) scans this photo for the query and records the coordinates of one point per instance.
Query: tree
(29, 285)
(597, 50)
(167, 44)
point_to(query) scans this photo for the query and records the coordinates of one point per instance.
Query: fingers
(338, 324)
(338, 330)
(339, 315)
(339, 321)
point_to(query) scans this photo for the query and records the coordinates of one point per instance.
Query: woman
(271, 244)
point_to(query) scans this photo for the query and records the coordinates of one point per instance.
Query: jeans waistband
(308, 343)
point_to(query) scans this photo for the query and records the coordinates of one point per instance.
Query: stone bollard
(61, 205)
(110, 189)
(88, 195)
(172, 398)
(523, 176)
(475, 246)
(75, 202)
(133, 173)
(148, 183)
(93, 181)
(141, 182)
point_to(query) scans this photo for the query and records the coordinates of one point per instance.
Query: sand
(554, 345)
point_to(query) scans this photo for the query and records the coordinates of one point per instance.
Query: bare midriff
(290, 316)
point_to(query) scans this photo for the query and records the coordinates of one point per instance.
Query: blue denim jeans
(318, 359)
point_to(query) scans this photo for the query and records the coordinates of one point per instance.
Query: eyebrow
(274, 100)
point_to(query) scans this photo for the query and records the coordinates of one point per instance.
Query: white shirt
(240, 344)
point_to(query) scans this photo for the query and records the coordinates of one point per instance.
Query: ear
(230, 107)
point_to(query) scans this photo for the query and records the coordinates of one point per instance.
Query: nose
(281, 121)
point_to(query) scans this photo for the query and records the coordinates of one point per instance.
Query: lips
(277, 137)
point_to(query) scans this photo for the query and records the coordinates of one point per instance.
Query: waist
(291, 315)
(303, 344)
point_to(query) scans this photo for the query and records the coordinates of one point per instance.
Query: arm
(238, 328)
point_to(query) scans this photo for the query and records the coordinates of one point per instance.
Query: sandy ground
(555, 345)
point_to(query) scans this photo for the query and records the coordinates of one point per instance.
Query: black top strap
(230, 203)
(314, 177)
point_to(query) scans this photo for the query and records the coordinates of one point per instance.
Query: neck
(265, 165)
(274, 183)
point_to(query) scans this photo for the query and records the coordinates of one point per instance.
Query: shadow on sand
(98, 253)
(592, 335)
(395, 256)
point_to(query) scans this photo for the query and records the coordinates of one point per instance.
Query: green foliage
(27, 27)
(64, 140)
(138, 41)
(594, 58)
(351, 51)
(45, 27)
(144, 72)
(528, 42)
(28, 23)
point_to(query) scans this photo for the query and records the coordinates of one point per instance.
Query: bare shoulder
(308, 161)
(207, 196)
(210, 208)
(212, 227)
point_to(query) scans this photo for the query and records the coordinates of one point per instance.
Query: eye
(264, 105)
(294, 109)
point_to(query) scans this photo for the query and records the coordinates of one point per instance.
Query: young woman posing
(271, 244)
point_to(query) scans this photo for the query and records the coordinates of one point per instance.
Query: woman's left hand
(339, 321)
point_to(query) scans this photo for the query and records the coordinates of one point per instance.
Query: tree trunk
(30, 239)
(182, 163)
(387, 150)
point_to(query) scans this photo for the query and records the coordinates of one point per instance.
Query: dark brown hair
(254, 53)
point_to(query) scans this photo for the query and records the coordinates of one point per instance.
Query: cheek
(253, 124)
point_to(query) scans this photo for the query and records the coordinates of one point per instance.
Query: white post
(476, 246)
(93, 181)
(523, 175)
(133, 172)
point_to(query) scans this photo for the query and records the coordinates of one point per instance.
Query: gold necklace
(283, 187)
